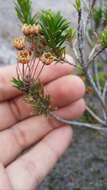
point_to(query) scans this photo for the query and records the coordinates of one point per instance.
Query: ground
(84, 165)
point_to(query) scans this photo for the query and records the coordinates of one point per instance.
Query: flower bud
(19, 43)
(24, 56)
(47, 58)
(30, 30)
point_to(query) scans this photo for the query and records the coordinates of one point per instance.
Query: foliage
(18, 83)
(39, 101)
(24, 11)
(103, 38)
(87, 117)
(46, 40)
(95, 77)
(97, 14)
(34, 94)
(105, 15)
(56, 30)
(77, 5)
(102, 78)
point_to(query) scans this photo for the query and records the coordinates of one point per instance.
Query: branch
(94, 49)
(94, 54)
(91, 43)
(73, 46)
(86, 70)
(80, 37)
(97, 118)
(78, 124)
(89, 15)
(104, 98)
(65, 61)
(105, 91)
(80, 45)
(96, 89)
(95, 70)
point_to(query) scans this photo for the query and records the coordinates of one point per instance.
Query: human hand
(31, 145)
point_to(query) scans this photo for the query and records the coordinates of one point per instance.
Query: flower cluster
(24, 56)
(19, 43)
(30, 48)
(32, 43)
(30, 30)
(47, 58)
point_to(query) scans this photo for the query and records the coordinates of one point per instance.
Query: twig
(96, 89)
(78, 124)
(86, 70)
(105, 91)
(65, 61)
(97, 118)
(94, 49)
(95, 70)
(104, 98)
(88, 17)
(80, 38)
(91, 43)
(99, 51)
(75, 51)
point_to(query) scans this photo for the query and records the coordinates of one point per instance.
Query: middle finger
(63, 91)
(28, 132)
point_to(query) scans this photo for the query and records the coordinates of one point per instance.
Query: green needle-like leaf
(18, 83)
(77, 5)
(97, 16)
(24, 11)
(103, 38)
(55, 28)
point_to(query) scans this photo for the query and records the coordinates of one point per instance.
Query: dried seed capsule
(19, 43)
(30, 30)
(47, 58)
(24, 56)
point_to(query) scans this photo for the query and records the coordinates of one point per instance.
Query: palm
(21, 130)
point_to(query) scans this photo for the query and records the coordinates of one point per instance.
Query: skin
(30, 145)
